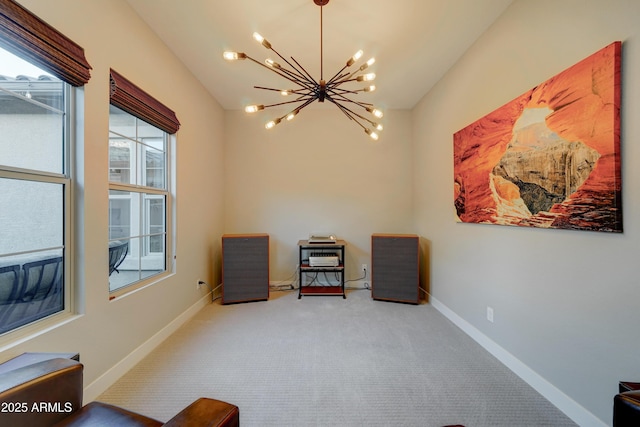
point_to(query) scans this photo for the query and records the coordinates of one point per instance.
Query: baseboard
(358, 284)
(349, 285)
(571, 408)
(282, 284)
(106, 380)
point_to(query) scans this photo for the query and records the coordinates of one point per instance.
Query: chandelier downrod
(321, 48)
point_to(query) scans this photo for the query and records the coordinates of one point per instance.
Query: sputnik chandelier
(307, 89)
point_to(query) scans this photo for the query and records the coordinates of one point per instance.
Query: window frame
(27, 36)
(131, 99)
(137, 167)
(65, 178)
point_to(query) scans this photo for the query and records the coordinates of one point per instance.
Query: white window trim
(170, 224)
(67, 178)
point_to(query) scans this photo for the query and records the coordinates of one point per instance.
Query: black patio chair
(117, 253)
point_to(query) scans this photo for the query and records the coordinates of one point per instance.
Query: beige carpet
(326, 361)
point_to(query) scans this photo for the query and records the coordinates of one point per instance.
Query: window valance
(24, 34)
(130, 98)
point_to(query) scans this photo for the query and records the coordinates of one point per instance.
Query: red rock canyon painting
(551, 157)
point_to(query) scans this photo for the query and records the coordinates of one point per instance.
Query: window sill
(36, 329)
(138, 286)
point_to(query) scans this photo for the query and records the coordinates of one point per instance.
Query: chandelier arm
(305, 71)
(338, 83)
(350, 113)
(298, 75)
(285, 103)
(363, 118)
(347, 112)
(297, 91)
(267, 88)
(309, 101)
(337, 75)
(302, 96)
(293, 66)
(336, 91)
(299, 82)
(342, 109)
(348, 77)
(345, 99)
(345, 78)
(298, 109)
(301, 79)
(307, 91)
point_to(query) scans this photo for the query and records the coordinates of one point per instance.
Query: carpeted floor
(326, 361)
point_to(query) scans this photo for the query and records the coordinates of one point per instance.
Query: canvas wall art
(551, 157)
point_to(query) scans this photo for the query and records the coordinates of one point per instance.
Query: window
(35, 186)
(38, 67)
(140, 191)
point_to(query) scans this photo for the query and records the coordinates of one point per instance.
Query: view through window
(138, 199)
(34, 192)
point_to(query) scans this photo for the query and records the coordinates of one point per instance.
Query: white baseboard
(571, 408)
(106, 380)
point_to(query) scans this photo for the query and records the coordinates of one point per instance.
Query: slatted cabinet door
(245, 268)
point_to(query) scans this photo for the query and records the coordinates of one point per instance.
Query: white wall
(565, 302)
(113, 36)
(319, 172)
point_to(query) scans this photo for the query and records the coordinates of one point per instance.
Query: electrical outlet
(490, 314)
(364, 267)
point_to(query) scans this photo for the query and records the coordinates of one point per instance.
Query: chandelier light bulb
(233, 56)
(372, 134)
(286, 92)
(257, 37)
(367, 64)
(354, 58)
(271, 63)
(367, 77)
(253, 108)
(272, 123)
(370, 88)
(378, 126)
(292, 114)
(375, 112)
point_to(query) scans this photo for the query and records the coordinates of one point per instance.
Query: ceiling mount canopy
(307, 89)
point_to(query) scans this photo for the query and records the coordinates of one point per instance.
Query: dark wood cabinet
(395, 267)
(245, 268)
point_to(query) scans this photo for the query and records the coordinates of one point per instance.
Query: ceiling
(414, 42)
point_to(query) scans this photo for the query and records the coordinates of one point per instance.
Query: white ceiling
(414, 41)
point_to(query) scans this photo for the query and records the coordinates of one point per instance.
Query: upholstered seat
(626, 405)
(49, 393)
